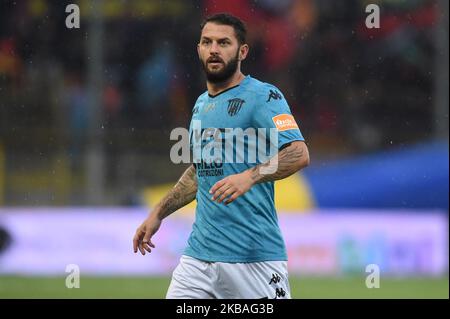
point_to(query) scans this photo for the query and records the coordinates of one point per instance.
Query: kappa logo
(279, 292)
(275, 279)
(274, 95)
(209, 107)
(234, 106)
(284, 122)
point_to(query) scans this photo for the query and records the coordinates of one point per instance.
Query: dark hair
(228, 19)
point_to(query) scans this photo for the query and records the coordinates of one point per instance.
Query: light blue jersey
(247, 229)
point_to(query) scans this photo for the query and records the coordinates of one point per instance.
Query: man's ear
(198, 50)
(243, 51)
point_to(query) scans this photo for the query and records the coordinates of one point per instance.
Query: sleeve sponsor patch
(284, 122)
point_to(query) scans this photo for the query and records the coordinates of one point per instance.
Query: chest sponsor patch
(284, 122)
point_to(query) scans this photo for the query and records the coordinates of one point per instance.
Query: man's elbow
(304, 160)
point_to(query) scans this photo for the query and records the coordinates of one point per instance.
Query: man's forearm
(288, 161)
(180, 195)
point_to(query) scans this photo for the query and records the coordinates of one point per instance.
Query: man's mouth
(215, 61)
(215, 65)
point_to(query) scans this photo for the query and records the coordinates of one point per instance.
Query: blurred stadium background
(85, 118)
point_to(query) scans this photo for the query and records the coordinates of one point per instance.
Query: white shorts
(196, 279)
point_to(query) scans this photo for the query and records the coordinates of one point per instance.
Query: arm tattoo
(180, 195)
(288, 160)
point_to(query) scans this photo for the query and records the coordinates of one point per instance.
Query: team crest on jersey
(234, 106)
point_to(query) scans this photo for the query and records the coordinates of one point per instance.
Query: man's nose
(214, 48)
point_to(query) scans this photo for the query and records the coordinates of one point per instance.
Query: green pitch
(155, 287)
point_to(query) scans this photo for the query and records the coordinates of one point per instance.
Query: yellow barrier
(51, 181)
(293, 195)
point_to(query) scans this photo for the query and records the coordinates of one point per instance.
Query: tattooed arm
(180, 195)
(288, 161)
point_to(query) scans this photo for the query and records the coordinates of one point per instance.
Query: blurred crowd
(352, 89)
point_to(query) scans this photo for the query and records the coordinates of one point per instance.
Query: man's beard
(223, 75)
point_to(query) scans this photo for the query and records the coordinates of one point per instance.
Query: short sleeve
(273, 112)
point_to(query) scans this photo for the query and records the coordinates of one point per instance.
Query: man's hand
(142, 238)
(180, 195)
(231, 187)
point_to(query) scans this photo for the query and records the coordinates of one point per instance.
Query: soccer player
(235, 249)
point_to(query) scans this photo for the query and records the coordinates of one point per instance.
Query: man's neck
(216, 88)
